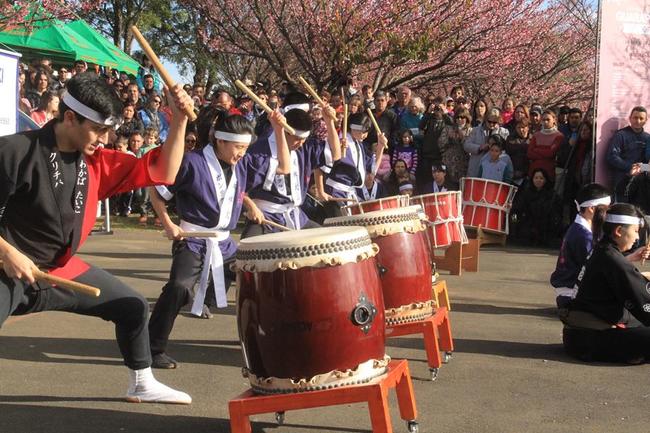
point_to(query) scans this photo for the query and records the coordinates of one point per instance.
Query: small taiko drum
(404, 260)
(310, 310)
(487, 203)
(393, 202)
(445, 222)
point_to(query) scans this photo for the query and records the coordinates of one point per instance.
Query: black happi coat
(42, 221)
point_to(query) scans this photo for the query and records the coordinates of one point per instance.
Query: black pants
(609, 345)
(251, 229)
(185, 273)
(117, 303)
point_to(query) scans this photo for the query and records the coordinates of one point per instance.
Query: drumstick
(311, 91)
(169, 81)
(375, 124)
(342, 199)
(276, 225)
(318, 202)
(344, 129)
(244, 88)
(64, 282)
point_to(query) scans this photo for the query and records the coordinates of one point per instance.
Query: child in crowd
(440, 182)
(406, 151)
(406, 188)
(494, 166)
(150, 141)
(122, 145)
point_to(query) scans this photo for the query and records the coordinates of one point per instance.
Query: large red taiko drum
(404, 260)
(487, 203)
(310, 309)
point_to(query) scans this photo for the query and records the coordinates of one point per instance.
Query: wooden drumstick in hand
(65, 283)
(375, 124)
(312, 92)
(244, 88)
(276, 225)
(166, 77)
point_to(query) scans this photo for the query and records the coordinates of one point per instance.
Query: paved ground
(62, 373)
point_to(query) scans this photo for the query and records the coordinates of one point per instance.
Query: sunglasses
(492, 122)
(157, 101)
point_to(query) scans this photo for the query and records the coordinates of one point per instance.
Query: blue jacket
(626, 148)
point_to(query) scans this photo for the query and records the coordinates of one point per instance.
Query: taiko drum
(310, 310)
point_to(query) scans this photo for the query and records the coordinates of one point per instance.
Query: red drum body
(487, 203)
(403, 258)
(393, 202)
(311, 315)
(443, 210)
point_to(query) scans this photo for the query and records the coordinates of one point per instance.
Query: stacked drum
(393, 202)
(404, 260)
(445, 221)
(310, 310)
(487, 203)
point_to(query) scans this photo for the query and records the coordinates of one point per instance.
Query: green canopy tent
(125, 62)
(56, 40)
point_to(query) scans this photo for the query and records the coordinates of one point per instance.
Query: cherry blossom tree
(26, 12)
(521, 48)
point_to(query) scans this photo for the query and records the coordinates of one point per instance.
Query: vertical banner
(8, 92)
(623, 71)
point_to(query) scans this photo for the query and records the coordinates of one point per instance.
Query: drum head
(384, 222)
(326, 246)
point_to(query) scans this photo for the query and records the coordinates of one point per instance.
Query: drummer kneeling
(609, 320)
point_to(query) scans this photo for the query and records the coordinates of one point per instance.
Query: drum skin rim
(363, 373)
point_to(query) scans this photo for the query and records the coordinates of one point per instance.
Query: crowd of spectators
(544, 151)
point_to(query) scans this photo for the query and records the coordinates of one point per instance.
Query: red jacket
(542, 150)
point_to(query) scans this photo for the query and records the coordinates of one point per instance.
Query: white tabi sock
(144, 388)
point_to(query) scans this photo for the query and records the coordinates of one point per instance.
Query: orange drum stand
(375, 393)
(435, 330)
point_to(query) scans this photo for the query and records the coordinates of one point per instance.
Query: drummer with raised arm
(351, 171)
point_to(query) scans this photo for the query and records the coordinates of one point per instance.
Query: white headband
(594, 202)
(355, 127)
(304, 107)
(623, 219)
(405, 186)
(229, 136)
(301, 134)
(83, 110)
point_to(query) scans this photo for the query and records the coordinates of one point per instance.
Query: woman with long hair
(544, 145)
(481, 107)
(48, 108)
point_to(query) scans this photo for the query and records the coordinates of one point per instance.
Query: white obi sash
(289, 210)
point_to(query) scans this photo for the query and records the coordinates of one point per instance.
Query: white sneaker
(144, 388)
